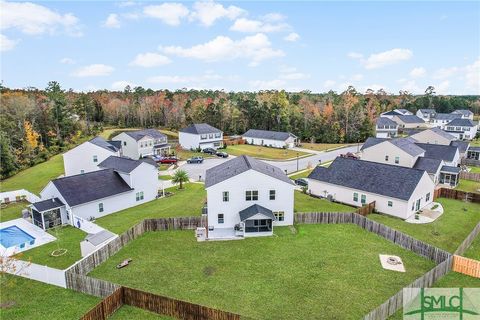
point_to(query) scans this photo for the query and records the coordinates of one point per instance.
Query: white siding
(188, 140)
(81, 158)
(266, 142)
(378, 152)
(428, 136)
(193, 141)
(129, 145)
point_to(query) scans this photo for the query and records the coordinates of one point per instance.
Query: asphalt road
(197, 171)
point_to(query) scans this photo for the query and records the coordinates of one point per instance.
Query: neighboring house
(462, 129)
(141, 143)
(426, 114)
(274, 139)
(473, 153)
(400, 152)
(409, 121)
(431, 166)
(386, 128)
(247, 197)
(200, 135)
(397, 191)
(449, 154)
(434, 135)
(404, 112)
(441, 119)
(462, 147)
(121, 183)
(86, 156)
(466, 114)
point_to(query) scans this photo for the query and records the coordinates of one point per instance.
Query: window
(95, 158)
(279, 215)
(210, 136)
(413, 206)
(82, 171)
(386, 158)
(272, 194)
(363, 199)
(100, 207)
(390, 203)
(221, 218)
(203, 136)
(139, 196)
(251, 195)
(427, 197)
(258, 223)
(217, 135)
(355, 197)
(124, 143)
(397, 160)
(226, 196)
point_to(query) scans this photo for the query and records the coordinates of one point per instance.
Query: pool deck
(41, 237)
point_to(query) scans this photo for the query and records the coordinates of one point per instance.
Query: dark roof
(99, 237)
(384, 121)
(410, 119)
(407, 145)
(450, 169)
(403, 111)
(265, 134)
(139, 134)
(200, 128)
(86, 187)
(256, 209)
(371, 141)
(461, 123)
(442, 133)
(48, 204)
(240, 164)
(461, 145)
(447, 116)
(438, 151)
(392, 113)
(428, 164)
(474, 148)
(383, 179)
(116, 144)
(122, 164)
(99, 141)
(429, 111)
(464, 112)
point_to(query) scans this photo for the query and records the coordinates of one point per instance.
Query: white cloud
(445, 73)
(93, 70)
(207, 12)
(34, 19)
(267, 84)
(253, 26)
(292, 37)
(411, 86)
(418, 72)
(385, 58)
(7, 44)
(442, 87)
(256, 48)
(150, 59)
(355, 55)
(120, 85)
(67, 61)
(472, 76)
(329, 84)
(356, 77)
(112, 21)
(273, 17)
(170, 13)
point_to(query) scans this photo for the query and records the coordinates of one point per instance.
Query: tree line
(36, 124)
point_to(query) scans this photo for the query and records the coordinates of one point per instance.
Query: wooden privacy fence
(367, 209)
(468, 241)
(457, 194)
(106, 307)
(470, 176)
(466, 266)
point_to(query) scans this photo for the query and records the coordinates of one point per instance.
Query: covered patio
(49, 213)
(255, 221)
(449, 175)
(161, 149)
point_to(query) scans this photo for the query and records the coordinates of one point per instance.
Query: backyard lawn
(127, 312)
(12, 211)
(69, 238)
(306, 203)
(34, 300)
(468, 186)
(187, 202)
(474, 251)
(322, 146)
(474, 169)
(34, 179)
(166, 177)
(264, 152)
(292, 275)
(447, 232)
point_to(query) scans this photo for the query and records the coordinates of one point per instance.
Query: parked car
(195, 160)
(301, 182)
(168, 160)
(222, 154)
(209, 151)
(349, 155)
(155, 158)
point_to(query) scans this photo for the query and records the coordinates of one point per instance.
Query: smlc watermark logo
(441, 303)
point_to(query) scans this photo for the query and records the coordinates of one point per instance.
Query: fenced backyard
(467, 266)
(474, 176)
(457, 194)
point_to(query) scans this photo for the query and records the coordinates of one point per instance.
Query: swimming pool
(14, 236)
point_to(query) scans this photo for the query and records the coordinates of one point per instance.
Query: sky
(242, 45)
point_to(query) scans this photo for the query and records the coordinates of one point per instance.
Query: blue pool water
(14, 236)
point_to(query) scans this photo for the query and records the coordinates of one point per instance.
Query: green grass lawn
(303, 174)
(12, 211)
(288, 276)
(34, 179)
(474, 169)
(36, 300)
(263, 152)
(69, 238)
(322, 146)
(166, 177)
(127, 312)
(474, 251)
(306, 203)
(468, 186)
(453, 226)
(187, 202)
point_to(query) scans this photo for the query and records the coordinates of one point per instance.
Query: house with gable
(275, 139)
(141, 143)
(466, 114)
(200, 135)
(386, 128)
(426, 114)
(434, 135)
(462, 129)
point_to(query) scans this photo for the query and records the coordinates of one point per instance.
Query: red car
(349, 155)
(168, 160)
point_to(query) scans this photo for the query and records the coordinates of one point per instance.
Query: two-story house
(434, 135)
(441, 119)
(141, 143)
(200, 135)
(386, 128)
(426, 114)
(409, 121)
(466, 114)
(462, 129)
(247, 197)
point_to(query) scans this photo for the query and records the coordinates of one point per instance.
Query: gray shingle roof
(461, 123)
(464, 112)
(410, 119)
(86, 187)
(474, 148)
(48, 204)
(427, 111)
(404, 111)
(442, 133)
(99, 237)
(256, 209)
(438, 151)
(116, 144)
(371, 141)
(407, 145)
(447, 116)
(384, 121)
(200, 128)
(99, 141)
(265, 134)
(428, 164)
(139, 134)
(461, 145)
(241, 164)
(450, 169)
(383, 179)
(392, 113)
(121, 164)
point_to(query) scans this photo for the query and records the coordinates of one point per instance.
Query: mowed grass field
(12, 210)
(292, 275)
(468, 186)
(322, 146)
(263, 152)
(306, 203)
(447, 232)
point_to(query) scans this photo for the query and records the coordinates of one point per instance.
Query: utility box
(201, 234)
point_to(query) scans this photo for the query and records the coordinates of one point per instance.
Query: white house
(462, 129)
(120, 183)
(86, 156)
(400, 152)
(426, 114)
(440, 120)
(140, 143)
(276, 139)
(466, 114)
(247, 197)
(397, 191)
(434, 135)
(386, 128)
(200, 135)
(409, 121)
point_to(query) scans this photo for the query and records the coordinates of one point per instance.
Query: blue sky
(251, 45)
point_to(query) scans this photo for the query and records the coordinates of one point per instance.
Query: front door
(447, 179)
(417, 206)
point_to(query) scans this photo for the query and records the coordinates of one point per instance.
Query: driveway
(197, 171)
